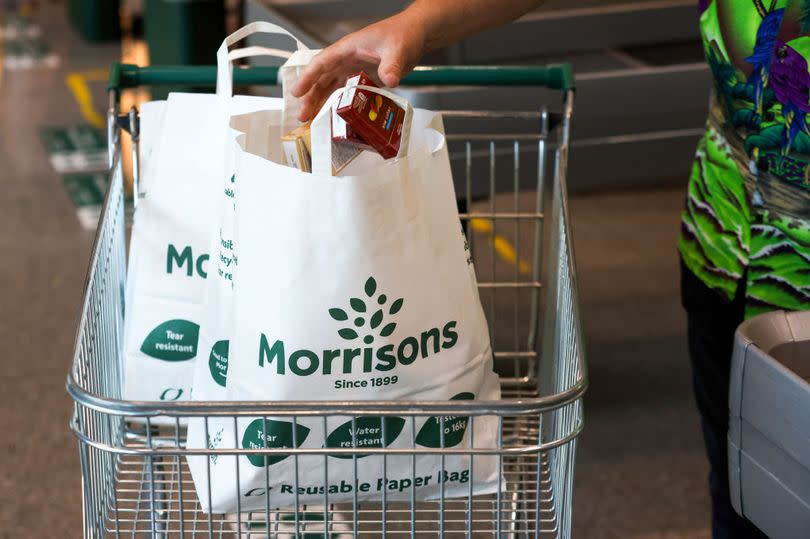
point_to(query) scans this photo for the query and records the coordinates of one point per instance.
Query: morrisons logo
(367, 319)
(183, 260)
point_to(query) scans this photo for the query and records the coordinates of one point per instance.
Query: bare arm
(389, 49)
(448, 21)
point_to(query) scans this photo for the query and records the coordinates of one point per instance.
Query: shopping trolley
(134, 474)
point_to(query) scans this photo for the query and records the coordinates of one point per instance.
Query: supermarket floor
(640, 469)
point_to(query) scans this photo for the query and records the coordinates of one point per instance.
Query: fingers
(319, 67)
(390, 75)
(312, 102)
(378, 52)
(392, 65)
(307, 79)
(323, 74)
(325, 65)
(309, 104)
(310, 75)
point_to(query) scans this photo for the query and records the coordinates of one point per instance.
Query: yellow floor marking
(502, 245)
(77, 82)
(95, 75)
(483, 226)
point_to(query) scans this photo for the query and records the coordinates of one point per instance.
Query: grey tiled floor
(42, 274)
(640, 469)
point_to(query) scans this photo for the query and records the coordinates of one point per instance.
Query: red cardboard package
(341, 130)
(376, 119)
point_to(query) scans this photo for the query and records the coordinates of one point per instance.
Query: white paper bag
(169, 248)
(351, 288)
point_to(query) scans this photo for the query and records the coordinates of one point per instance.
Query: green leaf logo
(360, 308)
(218, 362)
(396, 306)
(279, 434)
(358, 305)
(365, 432)
(371, 286)
(376, 319)
(388, 329)
(173, 340)
(430, 435)
(338, 314)
(347, 333)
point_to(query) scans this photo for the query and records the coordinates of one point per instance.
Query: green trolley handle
(554, 76)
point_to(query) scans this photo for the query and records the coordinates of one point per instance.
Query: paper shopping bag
(350, 288)
(170, 245)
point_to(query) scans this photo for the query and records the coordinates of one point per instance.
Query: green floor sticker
(18, 27)
(284, 524)
(86, 191)
(77, 148)
(27, 52)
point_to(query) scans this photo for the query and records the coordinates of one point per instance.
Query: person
(745, 230)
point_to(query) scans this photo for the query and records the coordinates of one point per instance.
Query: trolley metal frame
(135, 481)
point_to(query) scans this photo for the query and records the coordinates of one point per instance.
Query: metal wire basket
(134, 473)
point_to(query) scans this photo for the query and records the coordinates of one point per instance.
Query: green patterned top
(748, 206)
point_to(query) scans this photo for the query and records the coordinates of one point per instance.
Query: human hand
(386, 51)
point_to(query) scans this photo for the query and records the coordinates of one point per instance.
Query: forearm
(447, 21)
(388, 49)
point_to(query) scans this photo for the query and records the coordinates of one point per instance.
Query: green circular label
(269, 434)
(173, 340)
(365, 431)
(452, 427)
(218, 362)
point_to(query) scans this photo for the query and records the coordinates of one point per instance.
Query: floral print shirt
(747, 213)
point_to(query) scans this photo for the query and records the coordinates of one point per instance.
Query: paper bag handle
(248, 52)
(225, 58)
(321, 129)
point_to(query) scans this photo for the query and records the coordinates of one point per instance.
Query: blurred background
(642, 90)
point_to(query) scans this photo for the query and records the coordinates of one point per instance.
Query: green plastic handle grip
(554, 76)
